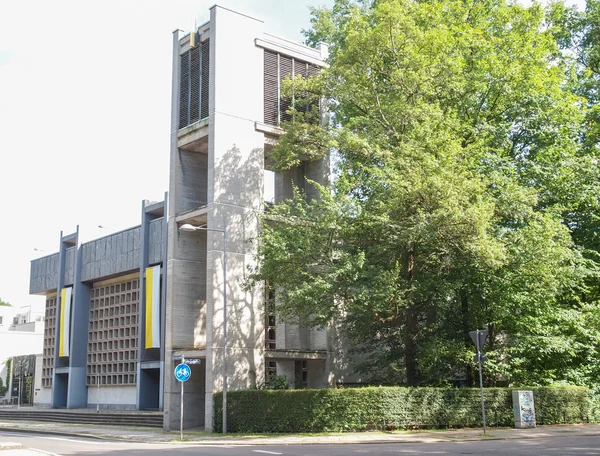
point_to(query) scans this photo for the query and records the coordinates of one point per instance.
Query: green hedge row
(357, 409)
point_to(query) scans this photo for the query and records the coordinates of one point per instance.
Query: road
(55, 445)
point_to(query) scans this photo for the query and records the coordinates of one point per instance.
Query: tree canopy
(465, 191)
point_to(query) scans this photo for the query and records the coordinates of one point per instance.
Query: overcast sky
(84, 115)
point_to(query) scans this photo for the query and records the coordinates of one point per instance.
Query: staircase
(84, 416)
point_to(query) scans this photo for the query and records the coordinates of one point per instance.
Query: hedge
(387, 408)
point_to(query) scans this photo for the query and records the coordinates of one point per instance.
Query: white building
(21, 333)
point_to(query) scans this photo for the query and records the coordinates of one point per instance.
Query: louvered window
(193, 85)
(276, 68)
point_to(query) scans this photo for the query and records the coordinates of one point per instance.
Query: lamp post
(190, 228)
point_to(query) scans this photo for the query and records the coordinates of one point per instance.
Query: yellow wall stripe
(65, 321)
(152, 335)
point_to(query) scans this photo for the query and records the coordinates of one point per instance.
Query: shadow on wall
(240, 187)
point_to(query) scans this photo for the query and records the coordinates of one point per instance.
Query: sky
(85, 93)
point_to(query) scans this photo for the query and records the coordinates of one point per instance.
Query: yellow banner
(65, 322)
(153, 307)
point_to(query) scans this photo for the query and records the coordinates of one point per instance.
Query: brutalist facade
(122, 310)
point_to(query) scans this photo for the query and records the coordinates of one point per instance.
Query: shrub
(358, 409)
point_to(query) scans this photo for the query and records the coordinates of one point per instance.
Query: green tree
(4, 303)
(455, 143)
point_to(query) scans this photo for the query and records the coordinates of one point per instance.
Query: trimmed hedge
(359, 409)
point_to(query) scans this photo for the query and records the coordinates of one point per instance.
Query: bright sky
(84, 115)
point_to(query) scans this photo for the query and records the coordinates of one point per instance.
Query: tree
(453, 132)
(4, 303)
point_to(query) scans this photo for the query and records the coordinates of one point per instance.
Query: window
(271, 367)
(301, 368)
(1, 321)
(270, 330)
(276, 68)
(269, 186)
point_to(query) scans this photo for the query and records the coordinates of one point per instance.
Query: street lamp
(187, 228)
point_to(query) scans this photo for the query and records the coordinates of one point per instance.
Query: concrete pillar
(235, 186)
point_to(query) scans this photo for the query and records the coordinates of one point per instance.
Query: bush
(386, 408)
(277, 382)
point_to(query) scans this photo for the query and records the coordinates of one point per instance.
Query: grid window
(48, 351)
(114, 321)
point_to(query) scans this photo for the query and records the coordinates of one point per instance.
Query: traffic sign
(183, 372)
(481, 335)
(188, 360)
(193, 361)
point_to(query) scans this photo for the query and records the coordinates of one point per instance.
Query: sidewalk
(197, 436)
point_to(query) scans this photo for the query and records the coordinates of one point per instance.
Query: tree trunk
(464, 307)
(410, 355)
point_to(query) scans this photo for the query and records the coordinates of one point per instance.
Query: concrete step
(147, 419)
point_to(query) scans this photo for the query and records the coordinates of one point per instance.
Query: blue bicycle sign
(183, 372)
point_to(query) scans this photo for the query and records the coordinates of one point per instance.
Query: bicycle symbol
(183, 372)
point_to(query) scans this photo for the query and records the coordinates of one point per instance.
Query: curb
(250, 442)
(53, 432)
(336, 440)
(10, 446)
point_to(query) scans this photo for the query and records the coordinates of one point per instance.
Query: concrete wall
(111, 255)
(37, 382)
(185, 307)
(70, 265)
(112, 397)
(156, 238)
(190, 176)
(43, 398)
(114, 254)
(235, 187)
(193, 399)
(44, 274)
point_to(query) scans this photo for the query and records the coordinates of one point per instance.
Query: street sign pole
(182, 374)
(181, 404)
(478, 338)
(481, 380)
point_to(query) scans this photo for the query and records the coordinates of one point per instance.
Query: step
(148, 419)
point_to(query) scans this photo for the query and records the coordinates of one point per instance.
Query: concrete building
(122, 310)
(21, 333)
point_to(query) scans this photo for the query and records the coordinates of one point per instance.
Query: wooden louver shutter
(184, 89)
(194, 84)
(205, 62)
(194, 111)
(286, 68)
(271, 88)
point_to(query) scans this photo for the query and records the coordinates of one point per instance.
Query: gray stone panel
(188, 322)
(111, 255)
(70, 265)
(318, 339)
(155, 241)
(191, 180)
(285, 181)
(193, 400)
(44, 274)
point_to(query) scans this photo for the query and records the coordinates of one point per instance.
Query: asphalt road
(56, 445)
